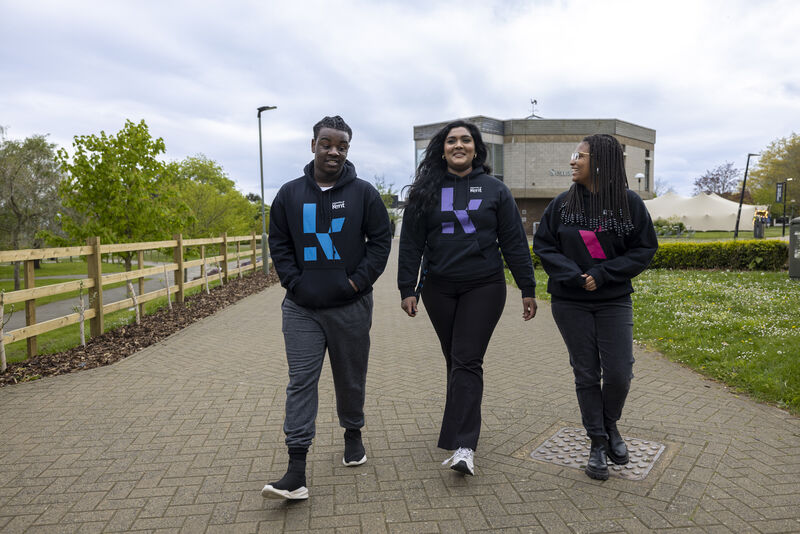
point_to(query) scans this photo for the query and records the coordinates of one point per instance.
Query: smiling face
(459, 151)
(581, 166)
(330, 152)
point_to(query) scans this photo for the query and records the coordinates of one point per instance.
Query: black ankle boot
(617, 451)
(597, 468)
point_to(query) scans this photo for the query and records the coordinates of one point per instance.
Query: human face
(459, 151)
(581, 166)
(330, 152)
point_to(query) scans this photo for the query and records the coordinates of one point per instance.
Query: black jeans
(464, 315)
(599, 338)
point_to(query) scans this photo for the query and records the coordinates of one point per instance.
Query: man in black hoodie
(329, 238)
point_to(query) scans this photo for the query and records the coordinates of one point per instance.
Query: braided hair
(608, 203)
(424, 193)
(335, 123)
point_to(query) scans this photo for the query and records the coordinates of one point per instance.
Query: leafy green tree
(389, 197)
(29, 202)
(119, 189)
(779, 161)
(213, 200)
(255, 199)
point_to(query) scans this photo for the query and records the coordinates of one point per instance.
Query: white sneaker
(271, 492)
(462, 461)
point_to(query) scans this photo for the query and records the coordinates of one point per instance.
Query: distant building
(532, 155)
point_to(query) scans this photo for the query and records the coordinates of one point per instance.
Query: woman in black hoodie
(592, 240)
(456, 221)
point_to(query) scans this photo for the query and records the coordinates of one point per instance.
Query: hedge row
(755, 255)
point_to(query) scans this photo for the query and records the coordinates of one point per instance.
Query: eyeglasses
(578, 155)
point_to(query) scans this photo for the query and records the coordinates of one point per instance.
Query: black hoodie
(462, 240)
(318, 239)
(568, 251)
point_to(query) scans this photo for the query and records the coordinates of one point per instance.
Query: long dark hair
(608, 204)
(425, 192)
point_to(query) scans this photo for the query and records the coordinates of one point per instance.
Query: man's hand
(409, 305)
(588, 282)
(353, 285)
(529, 308)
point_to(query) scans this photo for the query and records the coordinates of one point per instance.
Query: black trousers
(464, 315)
(599, 338)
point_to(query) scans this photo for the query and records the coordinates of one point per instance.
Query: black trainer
(354, 453)
(293, 484)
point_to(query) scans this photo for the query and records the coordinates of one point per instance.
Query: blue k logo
(325, 241)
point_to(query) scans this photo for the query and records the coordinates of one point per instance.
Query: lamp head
(266, 108)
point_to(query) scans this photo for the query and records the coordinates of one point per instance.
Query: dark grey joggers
(307, 333)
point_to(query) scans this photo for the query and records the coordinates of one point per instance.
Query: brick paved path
(182, 436)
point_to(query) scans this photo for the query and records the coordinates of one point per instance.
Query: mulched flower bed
(121, 342)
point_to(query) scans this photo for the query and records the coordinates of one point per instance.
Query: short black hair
(336, 123)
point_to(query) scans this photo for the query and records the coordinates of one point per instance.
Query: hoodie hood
(347, 175)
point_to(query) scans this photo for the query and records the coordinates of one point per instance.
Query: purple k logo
(461, 215)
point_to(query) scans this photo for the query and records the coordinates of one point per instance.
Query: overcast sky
(715, 79)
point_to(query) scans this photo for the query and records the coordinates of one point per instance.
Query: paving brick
(181, 437)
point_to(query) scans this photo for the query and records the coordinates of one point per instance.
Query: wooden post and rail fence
(95, 279)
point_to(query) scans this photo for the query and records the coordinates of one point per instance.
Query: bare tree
(662, 187)
(720, 180)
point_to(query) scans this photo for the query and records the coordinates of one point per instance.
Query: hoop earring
(474, 156)
(443, 156)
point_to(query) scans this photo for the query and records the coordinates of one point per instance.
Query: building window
(495, 159)
(647, 161)
(420, 155)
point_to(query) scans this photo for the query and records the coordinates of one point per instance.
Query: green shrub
(672, 224)
(752, 255)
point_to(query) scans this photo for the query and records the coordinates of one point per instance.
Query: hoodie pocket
(322, 288)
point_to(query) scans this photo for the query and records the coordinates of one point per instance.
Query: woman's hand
(409, 305)
(588, 282)
(529, 308)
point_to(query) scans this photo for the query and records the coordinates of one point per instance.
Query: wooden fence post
(238, 259)
(95, 268)
(140, 258)
(225, 257)
(30, 306)
(178, 276)
(253, 251)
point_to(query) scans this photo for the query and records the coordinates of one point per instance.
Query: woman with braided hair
(592, 240)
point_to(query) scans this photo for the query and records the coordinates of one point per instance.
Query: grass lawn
(70, 336)
(61, 268)
(769, 231)
(739, 327)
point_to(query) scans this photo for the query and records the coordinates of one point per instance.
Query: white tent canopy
(703, 212)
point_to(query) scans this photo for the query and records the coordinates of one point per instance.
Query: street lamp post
(264, 260)
(785, 194)
(741, 197)
(639, 177)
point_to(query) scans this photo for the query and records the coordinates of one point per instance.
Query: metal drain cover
(570, 447)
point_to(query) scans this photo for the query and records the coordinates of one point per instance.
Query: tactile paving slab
(570, 447)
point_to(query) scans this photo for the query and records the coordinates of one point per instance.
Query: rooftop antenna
(533, 114)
